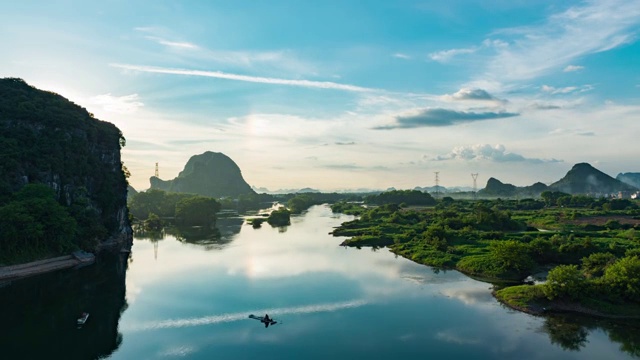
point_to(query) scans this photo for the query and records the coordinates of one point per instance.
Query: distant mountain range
(581, 179)
(216, 175)
(209, 174)
(632, 179)
(442, 189)
(264, 190)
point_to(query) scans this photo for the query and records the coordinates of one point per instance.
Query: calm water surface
(178, 298)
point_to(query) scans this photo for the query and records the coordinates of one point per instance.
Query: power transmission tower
(437, 192)
(475, 185)
(157, 171)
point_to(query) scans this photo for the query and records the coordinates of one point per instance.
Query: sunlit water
(192, 300)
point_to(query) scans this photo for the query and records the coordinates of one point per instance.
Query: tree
(512, 255)
(623, 277)
(551, 197)
(197, 210)
(564, 281)
(34, 224)
(280, 217)
(300, 203)
(153, 222)
(595, 264)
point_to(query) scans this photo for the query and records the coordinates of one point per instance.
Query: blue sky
(346, 94)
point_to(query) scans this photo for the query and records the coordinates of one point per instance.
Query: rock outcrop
(209, 174)
(47, 139)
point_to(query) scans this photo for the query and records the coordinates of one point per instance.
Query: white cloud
(451, 337)
(446, 55)
(576, 132)
(118, 104)
(175, 44)
(277, 59)
(486, 152)
(578, 31)
(469, 94)
(565, 90)
(401, 56)
(246, 78)
(571, 68)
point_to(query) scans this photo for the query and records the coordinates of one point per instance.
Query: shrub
(564, 281)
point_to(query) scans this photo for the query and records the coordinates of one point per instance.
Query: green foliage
(280, 217)
(153, 222)
(44, 138)
(595, 264)
(521, 296)
(301, 202)
(564, 281)
(623, 278)
(551, 197)
(256, 222)
(187, 209)
(250, 201)
(347, 208)
(34, 225)
(196, 210)
(482, 265)
(409, 197)
(154, 201)
(512, 256)
(486, 238)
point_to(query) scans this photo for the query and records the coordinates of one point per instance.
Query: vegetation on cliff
(208, 174)
(46, 139)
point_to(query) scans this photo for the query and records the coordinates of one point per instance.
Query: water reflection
(194, 303)
(39, 314)
(571, 332)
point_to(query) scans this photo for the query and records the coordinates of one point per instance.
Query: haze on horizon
(346, 94)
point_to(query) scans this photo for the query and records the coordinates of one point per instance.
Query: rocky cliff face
(209, 174)
(45, 138)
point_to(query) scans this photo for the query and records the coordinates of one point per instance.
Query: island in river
(590, 247)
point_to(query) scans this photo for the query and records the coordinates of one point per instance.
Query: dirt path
(14, 272)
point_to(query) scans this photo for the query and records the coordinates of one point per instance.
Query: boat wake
(230, 317)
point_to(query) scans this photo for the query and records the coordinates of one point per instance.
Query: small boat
(83, 318)
(265, 321)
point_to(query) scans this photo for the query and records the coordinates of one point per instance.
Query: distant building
(626, 194)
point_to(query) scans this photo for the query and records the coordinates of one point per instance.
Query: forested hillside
(46, 139)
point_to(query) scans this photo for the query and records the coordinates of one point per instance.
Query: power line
(475, 185)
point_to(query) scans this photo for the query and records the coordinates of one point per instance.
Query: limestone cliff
(209, 174)
(45, 138)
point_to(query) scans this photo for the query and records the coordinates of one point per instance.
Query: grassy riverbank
(531, 299)
(498, 241)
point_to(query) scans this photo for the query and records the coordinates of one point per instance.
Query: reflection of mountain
(39, 314)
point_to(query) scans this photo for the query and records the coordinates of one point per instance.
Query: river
(187, 296)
